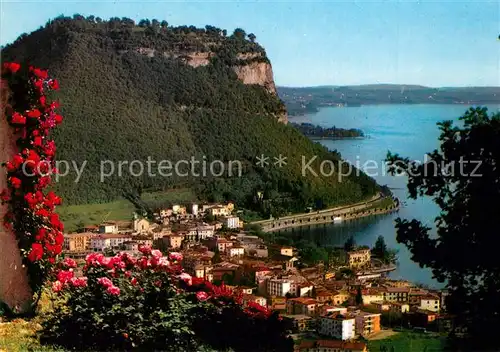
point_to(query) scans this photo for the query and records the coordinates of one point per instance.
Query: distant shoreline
(319, 108)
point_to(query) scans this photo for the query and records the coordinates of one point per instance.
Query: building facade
(337, 326)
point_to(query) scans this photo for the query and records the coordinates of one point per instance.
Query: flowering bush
(149, 303)
(30, 210)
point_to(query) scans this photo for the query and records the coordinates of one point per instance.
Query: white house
(430, 302)
(235, 251)
(232, 222)
(338, 326)
(200, 232)
(108, 227)
(100, 242)
(194, 209)
(278, 287)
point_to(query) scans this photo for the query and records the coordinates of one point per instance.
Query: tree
(164, 24)
(252, 37)
(216, 258)
(349, 244)
(239, 33)
(462, 178)
(380, 248)
(359, 297)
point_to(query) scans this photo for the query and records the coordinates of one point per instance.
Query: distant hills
(303, 100)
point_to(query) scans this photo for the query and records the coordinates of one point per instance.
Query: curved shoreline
(327, 216)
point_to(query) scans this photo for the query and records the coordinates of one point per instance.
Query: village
(328, 308)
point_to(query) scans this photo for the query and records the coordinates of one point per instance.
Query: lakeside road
(331, 215)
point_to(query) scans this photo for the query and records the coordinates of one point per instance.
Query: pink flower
(113, 290)
(69, 263)
(104, 281)
(144, 263)
(133, 282)
(156, 253)
(163, 262)
(105, 261)
(202, 296)
(186, 278)
(175, 256)
(57, 286)
(146, 250)
(78, 281)
(94, 258)
(64, 276)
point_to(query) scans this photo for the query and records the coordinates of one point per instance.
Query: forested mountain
(129, 92)
(304, 100)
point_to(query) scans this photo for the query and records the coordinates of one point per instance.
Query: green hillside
(120, 105)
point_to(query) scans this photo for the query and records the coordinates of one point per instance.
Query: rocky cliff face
(260, 73)
(250, 70)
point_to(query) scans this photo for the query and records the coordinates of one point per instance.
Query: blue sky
(433, 43)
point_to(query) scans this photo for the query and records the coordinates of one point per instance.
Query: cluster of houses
(173, 226)
(337, 312)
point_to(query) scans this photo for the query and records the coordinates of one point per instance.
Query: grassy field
(20, 336)
(92, 214)
(408, 342)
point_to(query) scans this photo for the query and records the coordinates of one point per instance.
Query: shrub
(149, 303)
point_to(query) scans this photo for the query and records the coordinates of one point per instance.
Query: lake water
(409, 130)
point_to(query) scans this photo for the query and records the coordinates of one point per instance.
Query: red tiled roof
(303, 300)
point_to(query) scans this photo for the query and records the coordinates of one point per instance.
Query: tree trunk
(14, 286)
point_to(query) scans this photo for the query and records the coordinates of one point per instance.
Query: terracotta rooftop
(303, 300)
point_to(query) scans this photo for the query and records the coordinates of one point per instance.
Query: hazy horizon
(382, 84)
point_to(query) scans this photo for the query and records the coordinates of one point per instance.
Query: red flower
(43, 74)
(58, 119)
(59, 239)
(202, 296)
(78, 281)
(15, 182)
(69, 263)
(42, 100)
(113, 290)
(31, 199)
(18, 119)
(43, 182)
(32, 159)
(54, 84)
(11, 66)
(64, 276)
(53, 249)
(42, 213)
(36, 252)
(5, 196)
(35, 113)
(38, 84)
(50, 148)
(17, 160)
(146, 250)
(42, 233)
(105, 282)
(54, 220)
(37, 141)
